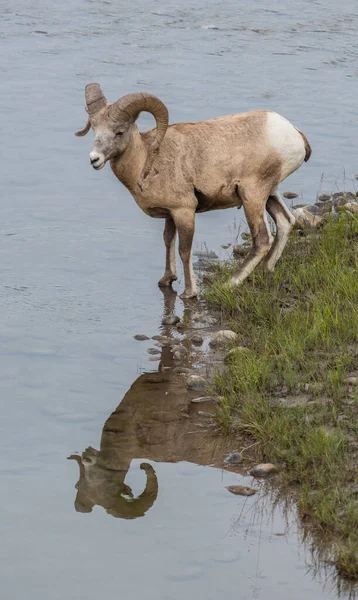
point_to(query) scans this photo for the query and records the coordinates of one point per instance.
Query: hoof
(190, 294)
(234, 282)
(268, 268)
(167, 281)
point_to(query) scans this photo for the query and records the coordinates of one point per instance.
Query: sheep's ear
(84, 130)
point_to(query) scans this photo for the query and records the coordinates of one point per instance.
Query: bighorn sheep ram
(175, 171)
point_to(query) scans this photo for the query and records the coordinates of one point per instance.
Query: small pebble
(204, 318)
(195, 382)
(170, 320)
(234, 458)
(241, 490)
(223, 337)
(324, 197)
(240, 250)
(140, 337)
(179, 353)
(290, 195)
(153, 351)
(208, 254)
(205, 414)
(236, 352)
(203, 399)
(352, 380)
(263, 470)
(153, 358)
(160, 338)
(182, 370)
(225, 246)
(197, 339)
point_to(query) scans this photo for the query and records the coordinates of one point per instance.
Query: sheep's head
(113, 124)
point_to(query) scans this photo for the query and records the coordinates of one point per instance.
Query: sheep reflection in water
(150, 422)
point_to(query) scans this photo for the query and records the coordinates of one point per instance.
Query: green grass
(288, 390)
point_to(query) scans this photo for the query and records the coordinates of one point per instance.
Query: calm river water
(79, 266)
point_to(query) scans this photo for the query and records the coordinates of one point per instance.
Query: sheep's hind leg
(284, 221)
(169, 236)
(261, 238)
(185, 223)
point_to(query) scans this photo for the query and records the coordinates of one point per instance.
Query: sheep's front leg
(169, 235)
(185, 223)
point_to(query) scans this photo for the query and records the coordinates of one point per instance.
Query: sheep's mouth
(98, 167)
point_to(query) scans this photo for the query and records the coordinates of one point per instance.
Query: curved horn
(84, 130)
(95, 99)
(137, 507)
(132, 104)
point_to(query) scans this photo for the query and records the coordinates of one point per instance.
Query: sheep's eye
(119, 132)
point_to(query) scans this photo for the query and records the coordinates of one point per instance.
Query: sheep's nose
(97, 160)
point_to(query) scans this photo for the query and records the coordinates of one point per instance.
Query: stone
(352, 207)
(318, 209)
(342, 198)
(241, 490)
(299, 206)
(203, 399)
(208, 254)
(160, 338)
(234, 458)
(304, 218)
(236, 352)
(204, 264)
(225, 246)
(203, 318)
(153, 351)
(225, 336)
(352, 380)
(263, 470)
(195, 382)
(184, 370)
(324, 197)
(323, 208)
(290, 195)
(240, 250)
(356, 176)
(197, 339)
(140, 337)
(154, 358)
(179, 352)
(205, 414)
(170, 320)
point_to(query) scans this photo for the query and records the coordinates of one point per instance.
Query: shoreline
(290, 401)
(291, 383)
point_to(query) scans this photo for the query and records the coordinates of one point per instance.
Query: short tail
(307, 146)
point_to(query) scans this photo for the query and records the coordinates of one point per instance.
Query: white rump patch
(287, 141)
